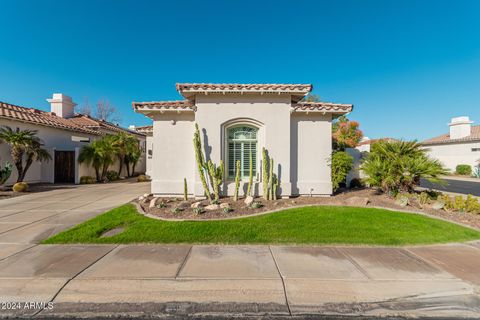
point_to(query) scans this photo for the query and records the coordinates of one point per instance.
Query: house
(148, 132)
(63, 133)
(461, 145)
(234, 120)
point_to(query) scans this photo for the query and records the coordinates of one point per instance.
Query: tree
(106, 111)
(23, 142)
(85, 108)
(341, 165)
(398, 166)
(346, 134)
(90, 155)
(126, 144)
(312, 98)
(132, 159)
(100, 154)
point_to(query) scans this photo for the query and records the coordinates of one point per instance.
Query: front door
(64, 166)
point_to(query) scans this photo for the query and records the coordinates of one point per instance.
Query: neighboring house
(64, 133)
(460, 146)
(148, 132)
(234, 120)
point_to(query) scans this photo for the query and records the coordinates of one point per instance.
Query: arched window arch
(242, 140)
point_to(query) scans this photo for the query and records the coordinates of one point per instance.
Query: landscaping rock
(248, 200)
(402, 201)
(357, 201)
(183, 205)
(225, 205)
(146, 195)
(141, 198)
(196, 204)
(211, 207)
(438, 205)
(153, 203)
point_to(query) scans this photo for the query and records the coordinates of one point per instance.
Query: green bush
(341, 164)
(397, 166)
(87, 180)
(472, 205)
(112, 175)
(143, 178)
(20, 187)
(463, 169)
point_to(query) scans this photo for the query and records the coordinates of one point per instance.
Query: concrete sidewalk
(227, 281)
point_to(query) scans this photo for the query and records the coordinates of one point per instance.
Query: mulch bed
(354, 197)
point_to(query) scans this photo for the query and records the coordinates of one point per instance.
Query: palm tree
(132, 158)
(34, 152)
(108, 150)
(18, 141)
(90, 156)
(124, 143)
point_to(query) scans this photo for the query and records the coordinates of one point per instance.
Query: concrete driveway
(28, 219)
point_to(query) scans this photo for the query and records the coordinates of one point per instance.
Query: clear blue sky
(407, 66)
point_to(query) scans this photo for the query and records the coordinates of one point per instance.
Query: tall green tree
(125, 144)
(23, 142)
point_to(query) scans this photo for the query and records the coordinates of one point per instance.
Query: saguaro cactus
(185, 189)
(237, 180)
(250, 174)
(200, 158)
(216, 177)
(265, 173)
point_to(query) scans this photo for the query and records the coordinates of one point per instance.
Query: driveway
(26, 220)
(455, 186)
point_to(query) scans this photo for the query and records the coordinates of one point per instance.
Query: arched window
(242, 140)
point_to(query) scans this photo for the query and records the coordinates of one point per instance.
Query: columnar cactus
(250, 174)
(270, 180)
(265, 173)
(274, 187)
(197, 144)
(237, 180)
(185, 189)
(216, 177)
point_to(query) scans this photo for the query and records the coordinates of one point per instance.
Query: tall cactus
(216, 177)
(200, 158)
(250, 174)
(265, 173)
(270, 180)
(237, 180)
(185, 189)
(274, 187)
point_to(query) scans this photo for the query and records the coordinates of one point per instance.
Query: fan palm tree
(132, 158)
(125, 144)
(18, 141)
(108, 150)
(90, 156)
(34, 152)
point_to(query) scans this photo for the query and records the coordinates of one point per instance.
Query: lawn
(308, 225)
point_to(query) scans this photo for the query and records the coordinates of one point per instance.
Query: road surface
(456, 186)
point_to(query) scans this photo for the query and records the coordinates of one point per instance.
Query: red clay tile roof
(372, 141)
(35, 116)
(165, 105)
(323, 106)
(78, 123)
(233, 87)
(445, 138)
(145, 129)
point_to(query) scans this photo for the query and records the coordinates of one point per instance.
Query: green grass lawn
(308, 225)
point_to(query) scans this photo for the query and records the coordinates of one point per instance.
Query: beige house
(461, 145)
(63, 133)
(236, 119)
(148, 132)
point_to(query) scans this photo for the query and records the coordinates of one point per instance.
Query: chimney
(62, 105)
(460, 127)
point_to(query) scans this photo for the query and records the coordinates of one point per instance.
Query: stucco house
(148, 132)
(461, 145)
(234, 120)
(63, 133)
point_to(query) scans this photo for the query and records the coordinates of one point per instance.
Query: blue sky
(407, 66)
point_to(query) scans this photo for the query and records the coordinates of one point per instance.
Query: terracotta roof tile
(323, 106)
(165, 105)
(445, 138)
(35, 116)
(226, 87)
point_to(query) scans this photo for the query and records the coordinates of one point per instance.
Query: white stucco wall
(299, 144)
(452, 155)
(149, 158)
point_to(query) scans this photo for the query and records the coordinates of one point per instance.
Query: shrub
(112, 175)
(87, 180)
(398, 166)
(198, 210)
(459, 203)
(256, 205)
(5, 172)
(177, 210)
(227, 209)
(448, 203)
(341, 164)
(143, 178)
(472, 205)
(161, 205)
(356, 183)
(463, 169)
(423, 198)
(20, 187)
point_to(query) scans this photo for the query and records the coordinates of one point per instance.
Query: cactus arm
(270, 180)
(185, 189)
(197, 144)
(237, 180)
(265, 173)
(250, 174)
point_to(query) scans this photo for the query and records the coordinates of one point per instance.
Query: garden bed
(355, 197)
